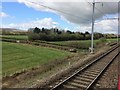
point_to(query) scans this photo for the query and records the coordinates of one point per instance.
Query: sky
(74, 16)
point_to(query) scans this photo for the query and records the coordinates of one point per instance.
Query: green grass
(81, 41)
(16, 57)
(18, 37)
(112, 40)
(82, 44)
(78, 43)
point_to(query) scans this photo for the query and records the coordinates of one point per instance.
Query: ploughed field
(16, 57)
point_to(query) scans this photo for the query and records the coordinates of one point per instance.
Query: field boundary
(44, 44)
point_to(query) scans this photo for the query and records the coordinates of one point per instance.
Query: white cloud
(79, 13)
(46, 22)
(67, 1)
(74, 12)
(107, 26)
(3, 15)
(103, 26)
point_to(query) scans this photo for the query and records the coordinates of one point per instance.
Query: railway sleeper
(94, 70)
(98, 65)
(83, 79)
(88, 76)
(80, 82)
(89, 72)
(68, 86)
(77, 85)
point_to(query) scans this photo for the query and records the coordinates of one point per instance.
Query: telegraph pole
(92, 33)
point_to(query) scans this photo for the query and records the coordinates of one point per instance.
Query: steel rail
(85, 67)
(90, 85)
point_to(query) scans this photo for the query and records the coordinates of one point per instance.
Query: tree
(69, 32)
(43, 29)
(59, 32)
(87, 32)
(36, 30)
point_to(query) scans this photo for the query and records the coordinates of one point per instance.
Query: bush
(103, 40)
(53, 35)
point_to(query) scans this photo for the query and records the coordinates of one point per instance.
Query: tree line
(55, 34)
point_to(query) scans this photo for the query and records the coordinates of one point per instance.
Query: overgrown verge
(63, 74)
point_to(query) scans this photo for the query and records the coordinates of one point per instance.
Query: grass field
(112, 40)
(16, 57)
(78, 41)
(82, 43)
(18, 37)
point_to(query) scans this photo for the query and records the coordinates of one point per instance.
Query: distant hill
(11, 29)
(8, 31)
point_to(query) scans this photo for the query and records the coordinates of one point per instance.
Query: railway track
(88, 75)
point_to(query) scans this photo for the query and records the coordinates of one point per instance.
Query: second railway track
(84, 78)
